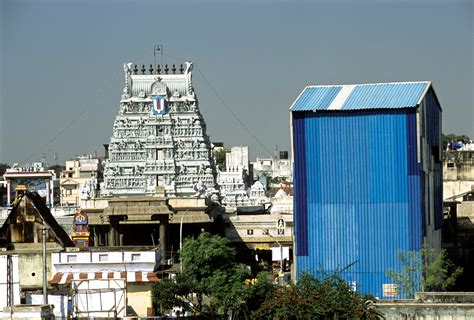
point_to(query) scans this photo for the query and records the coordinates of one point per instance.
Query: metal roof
(396, 95)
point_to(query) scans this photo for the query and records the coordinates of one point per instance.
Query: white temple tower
(159, 137)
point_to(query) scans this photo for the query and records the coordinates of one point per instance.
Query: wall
(139, 297)
(431, 306)
(358, 177)
(3, 280)
(458, 173)
(60, 302)
(91, 261)
(31, 269)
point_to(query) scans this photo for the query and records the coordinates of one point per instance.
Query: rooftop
(395, 95)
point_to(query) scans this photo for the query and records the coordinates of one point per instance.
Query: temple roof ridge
(140, 82)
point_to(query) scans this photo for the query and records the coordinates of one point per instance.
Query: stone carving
(158, 88)
(172, 145)
(200, 188)
(189, 79)
(127, 71)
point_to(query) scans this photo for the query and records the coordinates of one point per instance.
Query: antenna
(158, 49)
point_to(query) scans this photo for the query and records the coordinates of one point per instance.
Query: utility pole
(45, 269)
(10, 298)
(181, 243)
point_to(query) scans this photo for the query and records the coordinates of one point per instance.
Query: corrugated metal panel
(300, 228)
(432, 109)
(363, 96)
(316, 97)
(361, 188)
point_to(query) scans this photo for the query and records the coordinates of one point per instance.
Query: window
(135, 256)
(265, 232)
(71, 258)
(103, 257)
(450, 164)
(250, 232)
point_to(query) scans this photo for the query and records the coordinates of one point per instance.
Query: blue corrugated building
(367, 179)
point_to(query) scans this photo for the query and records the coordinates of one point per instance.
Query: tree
(424, 270)
(3, 168)
(408, 278)
(57, 169)
(209, 270)
(220, 156)
(448, 138)
(441, 272)
(325, 296)
(169, 294)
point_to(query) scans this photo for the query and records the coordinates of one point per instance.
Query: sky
(61, 73)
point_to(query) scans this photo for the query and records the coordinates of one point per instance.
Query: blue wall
(357, 192)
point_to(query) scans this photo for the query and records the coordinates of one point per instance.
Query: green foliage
(203, 256)
(323, 297)
(209, 270)
(219, 155)
(447, 138)
(424, 271)
(221, 288)
(57, 169)
(441, 272)
(408, 279)
(169, 293)
(3, 168)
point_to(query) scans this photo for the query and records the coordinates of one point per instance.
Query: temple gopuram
(159, 137)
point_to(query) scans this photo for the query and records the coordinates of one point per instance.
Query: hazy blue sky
(61, 62)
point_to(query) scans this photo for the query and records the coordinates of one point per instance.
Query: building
(234, 184)
(458, 193)
(268, 238)
(159, 137)
(367, 179)
(278, 166)
(35, 177)
(126, 274)
(282, 201)
(458, 173)
(28, 224)
(80, 180)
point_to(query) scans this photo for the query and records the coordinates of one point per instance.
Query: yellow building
(80, 180)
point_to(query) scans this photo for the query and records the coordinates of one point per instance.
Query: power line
(72, 122)
(242, 124)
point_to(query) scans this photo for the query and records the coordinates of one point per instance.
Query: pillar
(96, 236)
(48, 194)
(9, 200)
(112, 233)
(163, 230)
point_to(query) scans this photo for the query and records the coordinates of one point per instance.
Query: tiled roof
(130, 276)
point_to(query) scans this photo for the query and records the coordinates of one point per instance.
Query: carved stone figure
(148, 145)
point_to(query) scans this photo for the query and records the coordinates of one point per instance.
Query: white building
(35, 177)
(278, 166)
(113, 282)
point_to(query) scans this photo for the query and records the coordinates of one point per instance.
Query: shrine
(80, 233)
